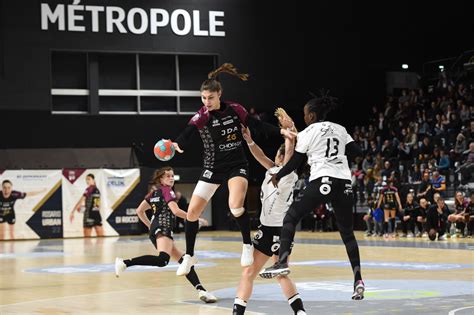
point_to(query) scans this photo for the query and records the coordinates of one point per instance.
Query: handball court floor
(76, 276)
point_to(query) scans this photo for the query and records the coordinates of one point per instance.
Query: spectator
(408, 216)
(421, 217)
(425, 189)
(467, 167)
(438, 184)
(469, 215)
(458, 217)
(436, 220)
(426, 149)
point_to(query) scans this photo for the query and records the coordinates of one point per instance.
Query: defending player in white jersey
(275, 203)
(327, 146)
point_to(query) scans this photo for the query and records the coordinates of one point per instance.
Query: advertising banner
(30, 204)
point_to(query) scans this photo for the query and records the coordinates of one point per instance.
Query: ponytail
(212, 85)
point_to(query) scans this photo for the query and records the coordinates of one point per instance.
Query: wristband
(251, 143)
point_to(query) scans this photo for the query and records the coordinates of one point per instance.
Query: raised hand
(246, 133)
(177, 148)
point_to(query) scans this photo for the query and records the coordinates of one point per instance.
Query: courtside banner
(74, 187)
(112, 187)
(36, 198)
(120, 202)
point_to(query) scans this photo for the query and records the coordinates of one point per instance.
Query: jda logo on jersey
(207, 174)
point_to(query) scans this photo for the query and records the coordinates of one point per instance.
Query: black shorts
(91, 219)
(267, 240)
(9, 217)
(161, 224)
(219, 176)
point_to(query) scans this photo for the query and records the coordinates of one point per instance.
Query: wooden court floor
(75, 276)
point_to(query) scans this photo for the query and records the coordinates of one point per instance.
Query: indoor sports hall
(236, 157)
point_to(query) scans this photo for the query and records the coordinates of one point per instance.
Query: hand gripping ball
(164, 150)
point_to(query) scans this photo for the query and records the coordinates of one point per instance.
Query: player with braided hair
(328, 147)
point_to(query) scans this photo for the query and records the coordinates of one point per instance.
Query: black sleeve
(292, 164)
(265, 128)
(186, 136)
(353, 150)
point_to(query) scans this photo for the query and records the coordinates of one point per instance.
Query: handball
(164, 150)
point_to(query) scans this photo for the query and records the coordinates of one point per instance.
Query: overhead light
(404, 66)
(441, 67)
(177, 177)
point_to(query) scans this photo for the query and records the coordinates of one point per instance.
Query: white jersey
(276, 201)
(325, 145)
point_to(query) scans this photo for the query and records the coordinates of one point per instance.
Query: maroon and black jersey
(7, 203)
(163, 218)
(92, 215)
(92, 195)
(470, 208)
(460, 207)
(389, 197)
(221, 135)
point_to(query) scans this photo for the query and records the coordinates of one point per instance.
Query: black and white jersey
(325, 143)
(276, 201)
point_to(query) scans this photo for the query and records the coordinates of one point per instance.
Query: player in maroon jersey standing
(8, 197)
(219, 125)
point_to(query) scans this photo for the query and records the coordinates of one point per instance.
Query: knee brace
(163, 259)
(237, 212)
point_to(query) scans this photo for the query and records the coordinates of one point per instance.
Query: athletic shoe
(418, 234)
(185, 266)
(207, 297)
(410, 235)
(276, 270)
(119, 266)
(359, 289)
(404, 235)
(442, 237)
(247, 255)
(300, 312)
(425, 234)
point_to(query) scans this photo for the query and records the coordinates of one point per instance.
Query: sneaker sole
(275, 273)
(359, 293)
(206, 300)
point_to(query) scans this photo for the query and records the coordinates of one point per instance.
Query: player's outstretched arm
(256, 151)
(34, 193)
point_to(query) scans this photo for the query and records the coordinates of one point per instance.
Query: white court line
(220, 307)
(459, 309)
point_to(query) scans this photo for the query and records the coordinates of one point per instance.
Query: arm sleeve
(168, 194)
(268, 130)
(88, 191)
(186, 136)
(292, 164)
(353, 150)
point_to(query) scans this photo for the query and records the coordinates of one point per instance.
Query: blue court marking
(383, 265)
(32, 255)
(341, 290)
(107, 268)
(418, 243)
(214, 254)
